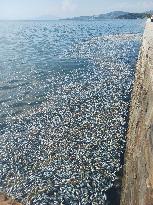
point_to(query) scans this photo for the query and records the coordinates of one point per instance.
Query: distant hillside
(133, 16)
(114, 15)
(46, 17)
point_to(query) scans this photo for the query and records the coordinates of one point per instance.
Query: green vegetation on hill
(133, 16)
(114, 15)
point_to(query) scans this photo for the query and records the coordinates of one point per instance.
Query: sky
(30, 9)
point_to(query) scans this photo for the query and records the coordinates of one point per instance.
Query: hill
(114, 15)
(133, 16)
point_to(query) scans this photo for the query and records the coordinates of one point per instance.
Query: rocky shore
(137, 187)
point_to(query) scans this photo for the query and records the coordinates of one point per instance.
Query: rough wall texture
(137, 188)
(5, 200)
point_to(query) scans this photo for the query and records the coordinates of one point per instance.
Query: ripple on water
(64, 108)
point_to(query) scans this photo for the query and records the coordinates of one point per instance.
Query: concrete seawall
(5, 200)
(137, 187)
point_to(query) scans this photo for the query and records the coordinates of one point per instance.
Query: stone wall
(137, 187)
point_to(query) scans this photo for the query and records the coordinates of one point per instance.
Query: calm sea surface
(64, 96)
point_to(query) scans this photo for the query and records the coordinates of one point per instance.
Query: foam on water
(65, 91)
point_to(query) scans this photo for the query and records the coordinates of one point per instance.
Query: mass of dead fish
(67, 148)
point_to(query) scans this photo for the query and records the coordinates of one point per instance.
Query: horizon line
(62, 18)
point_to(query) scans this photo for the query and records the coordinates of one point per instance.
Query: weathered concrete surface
(137, 188)
(5, 200)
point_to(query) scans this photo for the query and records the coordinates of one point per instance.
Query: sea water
(65, 90)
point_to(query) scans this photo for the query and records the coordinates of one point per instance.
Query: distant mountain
(133, 16)
(114, 15)
(149, 12)
(81, 18)
(46, 18)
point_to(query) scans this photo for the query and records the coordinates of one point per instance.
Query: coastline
(137, 184)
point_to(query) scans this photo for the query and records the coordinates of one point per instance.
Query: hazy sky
(21, 9)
